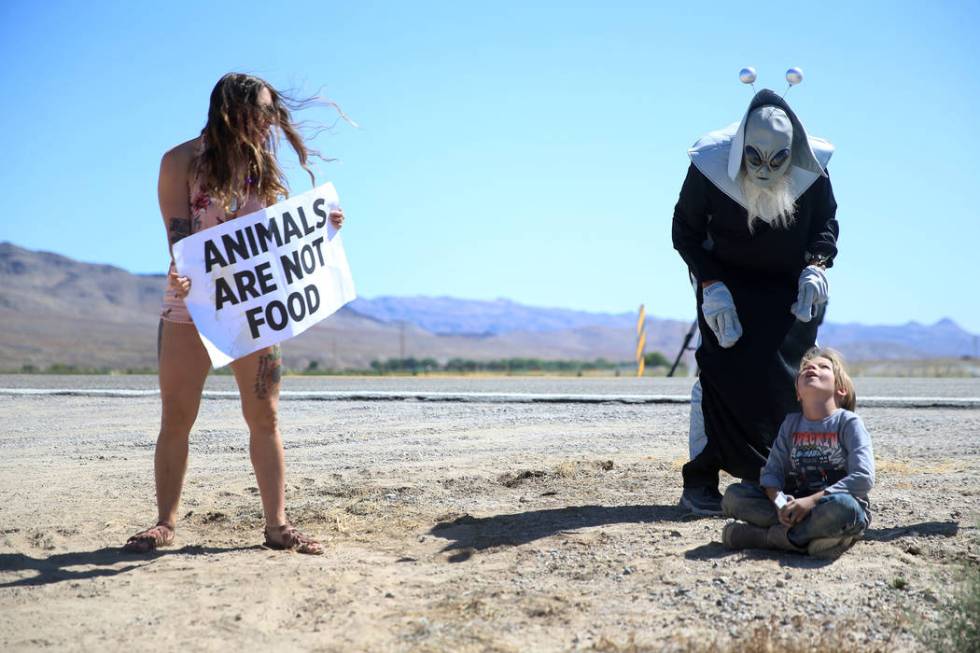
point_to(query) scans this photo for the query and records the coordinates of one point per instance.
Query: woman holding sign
(227, 171)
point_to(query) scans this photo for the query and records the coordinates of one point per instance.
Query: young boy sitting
(812, 495)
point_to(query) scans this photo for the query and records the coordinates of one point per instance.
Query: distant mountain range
(451, 316)
(945, 338)
(57, 310)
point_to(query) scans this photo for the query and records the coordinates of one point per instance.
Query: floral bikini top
(204, 215)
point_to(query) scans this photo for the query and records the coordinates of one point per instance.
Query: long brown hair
(239, 155)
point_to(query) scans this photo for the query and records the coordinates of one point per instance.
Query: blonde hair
(842, 380)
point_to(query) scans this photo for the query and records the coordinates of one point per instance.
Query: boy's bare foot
(152, 538)
(288, 537)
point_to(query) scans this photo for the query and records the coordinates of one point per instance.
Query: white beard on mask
(774, 205)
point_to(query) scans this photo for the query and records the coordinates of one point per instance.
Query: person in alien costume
(755, 223)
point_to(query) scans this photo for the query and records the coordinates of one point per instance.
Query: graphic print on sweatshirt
(817, 460)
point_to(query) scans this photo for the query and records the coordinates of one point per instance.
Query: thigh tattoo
(269, 372)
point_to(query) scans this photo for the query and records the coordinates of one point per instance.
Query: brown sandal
(152, 538)
(289, 538)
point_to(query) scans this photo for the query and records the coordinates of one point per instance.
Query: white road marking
(478, 397)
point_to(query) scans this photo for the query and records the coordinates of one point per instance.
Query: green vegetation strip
(655, 362)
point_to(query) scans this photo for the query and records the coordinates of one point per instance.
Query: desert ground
(458, 526)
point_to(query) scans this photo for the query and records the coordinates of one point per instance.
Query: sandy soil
(454, 527)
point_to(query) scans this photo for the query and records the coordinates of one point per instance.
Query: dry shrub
(567, 469)
(511, 480)
(908, 468)
(764, 638)
(958, 628)
(573, 468)
(898, 467)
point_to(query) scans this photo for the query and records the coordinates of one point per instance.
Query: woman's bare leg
(184, 366)
(258, 376)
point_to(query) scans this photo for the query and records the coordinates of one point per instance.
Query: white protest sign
(265, 277)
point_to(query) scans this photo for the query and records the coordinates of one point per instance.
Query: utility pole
(401, 348)
(641, 341)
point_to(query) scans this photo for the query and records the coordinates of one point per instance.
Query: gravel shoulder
(463, 527)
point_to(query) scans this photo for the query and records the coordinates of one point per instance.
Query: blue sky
(532, 151)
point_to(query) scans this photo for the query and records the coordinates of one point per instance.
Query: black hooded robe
(750, 387)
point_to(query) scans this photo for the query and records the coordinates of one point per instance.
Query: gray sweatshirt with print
(833, 454)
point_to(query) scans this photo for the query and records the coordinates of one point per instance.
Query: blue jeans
(835, 515)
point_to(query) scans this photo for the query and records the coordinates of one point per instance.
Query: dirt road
(456, 527)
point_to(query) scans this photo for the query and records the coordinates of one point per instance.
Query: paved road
(872, 391)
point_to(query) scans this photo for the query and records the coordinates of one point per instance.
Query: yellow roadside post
(641, 341)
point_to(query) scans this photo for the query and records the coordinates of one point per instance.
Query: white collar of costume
(718, 155)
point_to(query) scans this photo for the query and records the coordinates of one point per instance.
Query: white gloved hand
(718, 308)
(814, 290)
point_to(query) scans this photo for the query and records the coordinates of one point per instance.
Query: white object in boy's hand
(780, 500)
